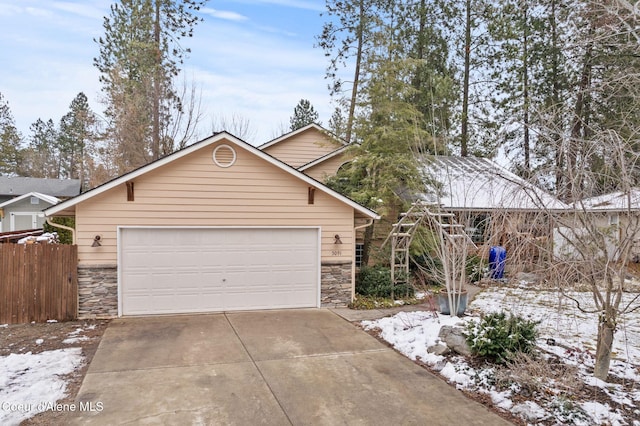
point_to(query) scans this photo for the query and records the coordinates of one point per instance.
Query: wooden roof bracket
(130, 196)
(311, 195)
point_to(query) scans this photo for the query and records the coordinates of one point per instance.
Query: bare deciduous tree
(596, 240)
(234, 123)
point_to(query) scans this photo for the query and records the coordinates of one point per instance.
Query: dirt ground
(40, 337)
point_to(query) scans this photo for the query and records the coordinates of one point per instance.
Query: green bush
(376, 281)
(476, 268)
(498, 338)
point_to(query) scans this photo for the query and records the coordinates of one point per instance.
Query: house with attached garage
(217, 226)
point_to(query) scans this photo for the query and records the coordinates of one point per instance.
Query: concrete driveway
(297, 367)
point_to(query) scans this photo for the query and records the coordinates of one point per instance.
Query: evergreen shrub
(498, 337)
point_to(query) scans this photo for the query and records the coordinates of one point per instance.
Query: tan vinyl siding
(303, 148)
(193, 191)
(327, 168)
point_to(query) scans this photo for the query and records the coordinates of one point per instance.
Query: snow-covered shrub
(498, 337)
(50, 238)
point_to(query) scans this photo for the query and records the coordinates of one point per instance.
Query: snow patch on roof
(480, 184)
(618, 200)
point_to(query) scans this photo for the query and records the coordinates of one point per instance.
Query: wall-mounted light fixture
(96, 241)
(337, 239)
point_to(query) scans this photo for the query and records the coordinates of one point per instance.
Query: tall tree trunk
(356, 74)
(155, 144)
(525, 94)
(417, 83)
(577, 131)
(555, 96)
(464, 135)
(603, 349)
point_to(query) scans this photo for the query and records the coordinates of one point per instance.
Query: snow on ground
(573, 333)
(568, 326)
(30, 382)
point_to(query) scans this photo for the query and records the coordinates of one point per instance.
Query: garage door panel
(171, 270)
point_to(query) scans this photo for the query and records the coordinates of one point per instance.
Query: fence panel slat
(38, 282)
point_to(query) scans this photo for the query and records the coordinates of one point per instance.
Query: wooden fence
(38, 282)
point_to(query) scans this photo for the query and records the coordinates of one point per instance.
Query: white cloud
(85, 9)
(39, 12)
(243, 62)
(275, 30)
(224, 14)
(265, 99)
(9, 9)
(298, 4)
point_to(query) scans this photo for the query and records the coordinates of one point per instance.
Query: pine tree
(10, 141)
(338, 124)
(422, 30)
(303, 114)
(76, 139)
(140, 55)
(41, 158)
(344, 38)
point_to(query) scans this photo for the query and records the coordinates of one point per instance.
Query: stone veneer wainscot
(97, 291)
(335, 287)
(98, 288)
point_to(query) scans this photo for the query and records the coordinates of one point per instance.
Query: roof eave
(324, 158)
(46, 198)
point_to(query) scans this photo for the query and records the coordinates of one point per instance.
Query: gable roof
(48, 198)
(323, 158)
(470, 183)
(613, 201)
(14, 186)
(301, 130)
(222, 136)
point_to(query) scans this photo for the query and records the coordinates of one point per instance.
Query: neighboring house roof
(14, 186)
(298, 131)
(326, 157)
(68, 206)
(614, 201)
(470, 183)
(47, 198)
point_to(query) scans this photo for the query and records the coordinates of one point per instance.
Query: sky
(254, 59)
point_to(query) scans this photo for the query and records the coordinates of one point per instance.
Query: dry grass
(535, 374)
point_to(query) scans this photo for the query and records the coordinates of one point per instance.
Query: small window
(359, 252)
(35, 200)
(614, 219)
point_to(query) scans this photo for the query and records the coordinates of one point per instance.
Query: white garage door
(182, 270)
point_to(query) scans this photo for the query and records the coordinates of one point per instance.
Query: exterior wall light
(96, 241)
(337, 239)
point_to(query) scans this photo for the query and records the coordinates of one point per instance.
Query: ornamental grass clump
(498, 338)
